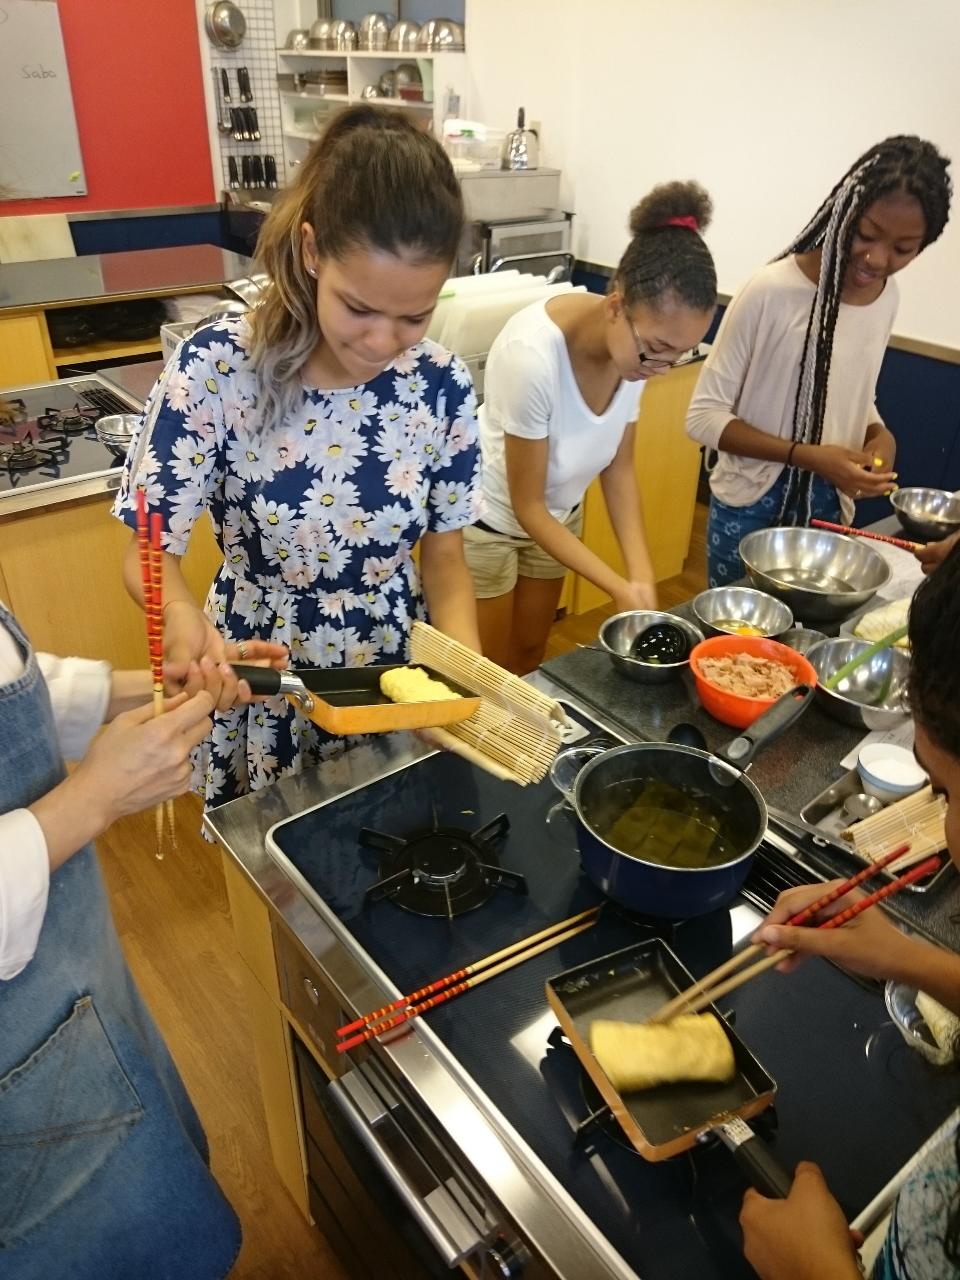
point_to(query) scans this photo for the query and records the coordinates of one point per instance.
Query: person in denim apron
(103, 1163)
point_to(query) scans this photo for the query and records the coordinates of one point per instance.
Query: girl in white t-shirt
(562, 386)
(787, 393)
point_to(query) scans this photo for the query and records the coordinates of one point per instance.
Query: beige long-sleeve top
(753, 368)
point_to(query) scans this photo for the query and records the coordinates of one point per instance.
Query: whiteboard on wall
(39, 145)
(766, 104)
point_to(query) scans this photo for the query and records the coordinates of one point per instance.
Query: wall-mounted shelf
(442, 73)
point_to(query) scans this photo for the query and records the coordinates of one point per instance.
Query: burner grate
(440, 870)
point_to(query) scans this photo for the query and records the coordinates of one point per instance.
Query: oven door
(539, 245)
(381, 1190)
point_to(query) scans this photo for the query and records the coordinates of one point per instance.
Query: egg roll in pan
(348, 700)
(629, 986)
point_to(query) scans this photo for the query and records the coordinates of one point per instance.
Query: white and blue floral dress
(317, 519)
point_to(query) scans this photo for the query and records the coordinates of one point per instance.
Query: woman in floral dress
(326, 437)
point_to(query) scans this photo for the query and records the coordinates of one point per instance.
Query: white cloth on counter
(79, 692)
(753, 369)
(531, 391)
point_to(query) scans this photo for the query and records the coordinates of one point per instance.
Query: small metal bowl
(860, 806)
(116, 431)
(873, 696)
(619, 632)
(821, 576)
(801, 638)
(741, 604)
(928, 515)
(298, 38)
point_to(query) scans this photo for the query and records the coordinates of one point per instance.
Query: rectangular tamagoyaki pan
(630, 986)
(348, 700)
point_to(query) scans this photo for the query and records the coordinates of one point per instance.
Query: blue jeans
(727, 526)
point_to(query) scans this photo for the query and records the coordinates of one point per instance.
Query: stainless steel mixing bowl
(821, 576)
(618, 633)
(741, 604)
(927, 514)
(873, 695)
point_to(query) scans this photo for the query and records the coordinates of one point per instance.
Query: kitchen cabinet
(667, 468)
(60, 573)
(25, 351)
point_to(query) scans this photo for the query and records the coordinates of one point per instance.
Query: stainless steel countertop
(100, 277)
(542, 1210)
(134, 380)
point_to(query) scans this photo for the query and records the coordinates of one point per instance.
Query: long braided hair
(902, 163)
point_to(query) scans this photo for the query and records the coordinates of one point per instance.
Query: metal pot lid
(226, 25)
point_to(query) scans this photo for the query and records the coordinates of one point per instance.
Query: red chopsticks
(863, 533)
(454, 984)
(708, 989)
(150, 547)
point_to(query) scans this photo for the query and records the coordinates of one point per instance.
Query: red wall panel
(137, 88)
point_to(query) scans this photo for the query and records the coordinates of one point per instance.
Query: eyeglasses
(651, 362)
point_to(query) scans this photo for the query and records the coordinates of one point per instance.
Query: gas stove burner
(12, 411)
(70, 421)
(28, 453)
(440, 871)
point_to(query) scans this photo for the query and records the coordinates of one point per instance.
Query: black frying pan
(629, 986)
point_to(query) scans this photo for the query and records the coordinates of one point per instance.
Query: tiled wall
(258, 54)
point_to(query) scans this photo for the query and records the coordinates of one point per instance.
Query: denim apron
(103, 1163)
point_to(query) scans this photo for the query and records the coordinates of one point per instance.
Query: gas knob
(508, 1259)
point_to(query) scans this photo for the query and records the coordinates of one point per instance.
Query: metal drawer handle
(451, 1251)
(310, 988)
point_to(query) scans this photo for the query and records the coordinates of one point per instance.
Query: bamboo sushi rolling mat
(918, 818)
(517, 730)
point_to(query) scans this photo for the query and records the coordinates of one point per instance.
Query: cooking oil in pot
(658, 822)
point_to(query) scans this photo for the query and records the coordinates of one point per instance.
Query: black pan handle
(263, 681)
(787, 709)
(759, 1165)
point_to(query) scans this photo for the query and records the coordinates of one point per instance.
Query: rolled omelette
(412, 684)
(693, 1046)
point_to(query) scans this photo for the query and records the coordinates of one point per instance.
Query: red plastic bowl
(732, 708)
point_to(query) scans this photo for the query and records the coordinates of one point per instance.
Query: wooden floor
(174, 923)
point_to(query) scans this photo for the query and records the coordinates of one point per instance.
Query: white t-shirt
(753, 369)
(530, 391)
(79, 691)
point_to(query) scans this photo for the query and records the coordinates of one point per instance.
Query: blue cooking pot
(609, 784)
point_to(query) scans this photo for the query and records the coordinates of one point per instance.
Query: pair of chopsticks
(711, 988)
(862, 533)
(149, 545)
(454, 984)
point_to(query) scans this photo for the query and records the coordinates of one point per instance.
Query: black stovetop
(55, 424)
(852, 1095)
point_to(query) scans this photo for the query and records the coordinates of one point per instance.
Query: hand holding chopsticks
(454, 984)
(717, 984)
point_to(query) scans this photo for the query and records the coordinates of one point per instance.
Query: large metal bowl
(618, 633)
(927, 514)
(117, 430)
(821, 576)
(770, 616)
(873, 696)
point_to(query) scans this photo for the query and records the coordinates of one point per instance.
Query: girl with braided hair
(786, 395)
(562, 386)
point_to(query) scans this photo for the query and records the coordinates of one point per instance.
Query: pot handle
(787, 709)
(760, 1166)
(263, 681)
